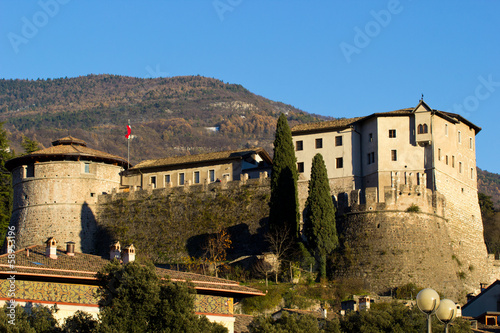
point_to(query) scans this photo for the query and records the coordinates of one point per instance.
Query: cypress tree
(284, 203)
(319, 220)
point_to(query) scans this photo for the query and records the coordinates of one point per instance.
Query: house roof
(221, 156)
(484, 292)
(324, 126)
(32, 262)
(339, 124)
(67, 148)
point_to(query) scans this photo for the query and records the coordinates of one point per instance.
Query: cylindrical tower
(56, 189)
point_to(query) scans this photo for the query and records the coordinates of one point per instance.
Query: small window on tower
(338, 140)
(299, 145)
(340, 162)
(300, 167)
(394, 155)
(392, 133)
(87, 167)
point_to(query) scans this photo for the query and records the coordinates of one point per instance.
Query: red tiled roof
(32, 261)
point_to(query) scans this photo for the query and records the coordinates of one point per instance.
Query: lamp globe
(428, 300)
(447, 311)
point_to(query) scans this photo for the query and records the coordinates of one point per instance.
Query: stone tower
(56, 189)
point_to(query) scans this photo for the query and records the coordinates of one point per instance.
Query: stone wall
(60, 201)
(392, 248)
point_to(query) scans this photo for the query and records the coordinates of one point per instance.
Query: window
(299, 145)
(422, 129)
(152, 181)
(446, 129)
(338, 140)
(446, 159)
(300, 167)
(319, 143)
(340, 162)
(30, 170)
(196, 177)
(439, 154)
(459, 137)
(211, 175)
(392, 133)
(181, 178)
(471, 173)
(471, 144)
(167, 179)
(87, 168)
(371, 158)
(452, 161)
(370, 137)
(394, 155)
(460, 167)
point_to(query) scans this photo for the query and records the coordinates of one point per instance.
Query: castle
(404, 183)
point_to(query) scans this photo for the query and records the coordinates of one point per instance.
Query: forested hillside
(489, 184)
(169, 116)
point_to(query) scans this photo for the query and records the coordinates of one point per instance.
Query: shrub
(413, 209)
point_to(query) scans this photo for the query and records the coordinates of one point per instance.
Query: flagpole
(128, 149)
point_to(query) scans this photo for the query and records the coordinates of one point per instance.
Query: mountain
(489, 184)
(169, 116)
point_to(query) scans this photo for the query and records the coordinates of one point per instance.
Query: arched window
(422, 129)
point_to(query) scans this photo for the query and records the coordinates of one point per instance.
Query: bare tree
(280, 244)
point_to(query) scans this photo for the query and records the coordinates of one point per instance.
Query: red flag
(129, 130)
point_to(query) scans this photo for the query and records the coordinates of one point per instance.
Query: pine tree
(284, 203)
(319, 220)
(29, 145)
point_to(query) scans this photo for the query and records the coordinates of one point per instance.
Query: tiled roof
(32, 261)
(346, 122)
(65, 148)
(200, 158)
(325, 125)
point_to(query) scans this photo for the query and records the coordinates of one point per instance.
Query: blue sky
(336, 58)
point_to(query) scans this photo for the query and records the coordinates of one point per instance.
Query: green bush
(413, 209)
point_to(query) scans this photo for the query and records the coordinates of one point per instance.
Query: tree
(216, 249)
(29, 145)
(279, 244)
(284, 202)
(80, 322)
(134, 299)
(5, 184)
(319, 219)
(288, 323)
(37, 319)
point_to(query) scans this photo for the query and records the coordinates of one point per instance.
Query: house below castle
(48, 275)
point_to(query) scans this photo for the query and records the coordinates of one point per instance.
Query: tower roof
(66, 149)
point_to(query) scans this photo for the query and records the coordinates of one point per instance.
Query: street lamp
(446, 312)
(428, 302)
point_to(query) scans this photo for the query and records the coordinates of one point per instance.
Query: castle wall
(393, 248)
(59, 200)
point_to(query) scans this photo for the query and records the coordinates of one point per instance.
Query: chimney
(128, 254)
(114, 251)
(51, 248)
(70, 249)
